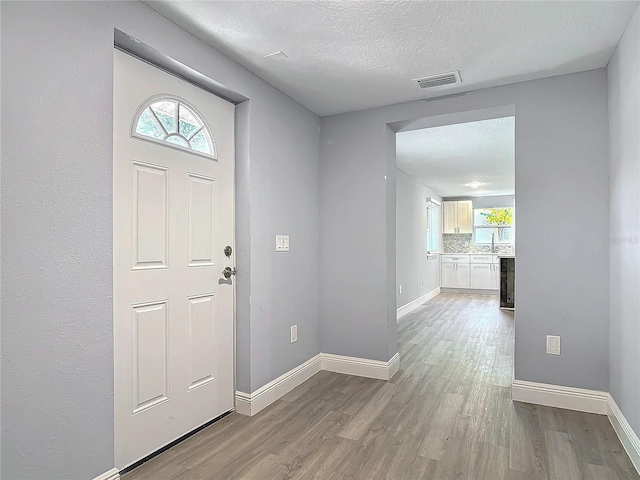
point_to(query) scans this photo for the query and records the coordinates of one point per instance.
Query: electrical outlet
(422, 280)
(400, 289)
(294, 333)
(553, 344)
(282, 243)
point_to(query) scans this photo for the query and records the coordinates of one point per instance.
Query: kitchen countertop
(505, 255)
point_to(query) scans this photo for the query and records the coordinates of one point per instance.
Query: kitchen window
(493, 225)
(433, 222)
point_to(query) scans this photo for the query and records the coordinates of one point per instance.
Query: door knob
(228, 271)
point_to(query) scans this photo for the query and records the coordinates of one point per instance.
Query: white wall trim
(112, 474)
(243, 403)
(252, 403)
(627, 436)
(394, 365)
(590, 401)
(360, 367)
(411, 306)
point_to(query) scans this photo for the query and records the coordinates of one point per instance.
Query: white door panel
(173, 310)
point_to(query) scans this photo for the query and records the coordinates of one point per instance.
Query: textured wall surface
(412, 265)
(354, 272)
(57, 342)
(561, 163)
(624, 225)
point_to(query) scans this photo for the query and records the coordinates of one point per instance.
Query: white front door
(173, 171)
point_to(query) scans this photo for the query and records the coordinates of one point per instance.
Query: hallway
(446, 414)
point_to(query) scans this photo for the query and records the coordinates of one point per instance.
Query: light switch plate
(294, 333)
(282, 243)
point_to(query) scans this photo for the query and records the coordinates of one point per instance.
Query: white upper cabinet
(465, 216)
(458, 216)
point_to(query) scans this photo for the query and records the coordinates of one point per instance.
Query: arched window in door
(173, 122)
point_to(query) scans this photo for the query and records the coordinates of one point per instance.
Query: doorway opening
(456, 243)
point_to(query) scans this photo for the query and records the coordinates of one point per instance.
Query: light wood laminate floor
(446, 414)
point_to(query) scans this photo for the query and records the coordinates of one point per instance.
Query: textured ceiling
(351, 55)
(449, 157)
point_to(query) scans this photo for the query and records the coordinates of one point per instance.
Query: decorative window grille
(174, 123)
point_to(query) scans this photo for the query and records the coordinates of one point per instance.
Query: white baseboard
(252, 403)
(590, 401)
(360, 367)
(469, 291)
(243, 403)
(112, 474)
(627, 436)
(394, 365)
(411, 306)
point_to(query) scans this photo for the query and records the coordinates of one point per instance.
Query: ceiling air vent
(438, 80)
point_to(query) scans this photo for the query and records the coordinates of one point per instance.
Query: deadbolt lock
(228, 251)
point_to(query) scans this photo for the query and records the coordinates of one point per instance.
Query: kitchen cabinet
(479, 271)
(485, 276)
(455, 271)
(448, 275)
(463, 275)
(481, 258)
(495, 276)
(457, 216)
(482, 276)
(485, 271)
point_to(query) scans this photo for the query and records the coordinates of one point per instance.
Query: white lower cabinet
(482, 276)
(476, 271)
(495, 276)
(448, 275)
(463, 275)
(455, 271)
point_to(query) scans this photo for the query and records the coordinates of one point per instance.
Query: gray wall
(57, 343)
(624, 223)
(562, 266)
(354, 304)
(412, 264)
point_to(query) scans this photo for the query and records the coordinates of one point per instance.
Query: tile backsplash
(463, 243)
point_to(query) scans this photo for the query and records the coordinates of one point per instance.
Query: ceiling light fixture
(475, 184)
(279, 53)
